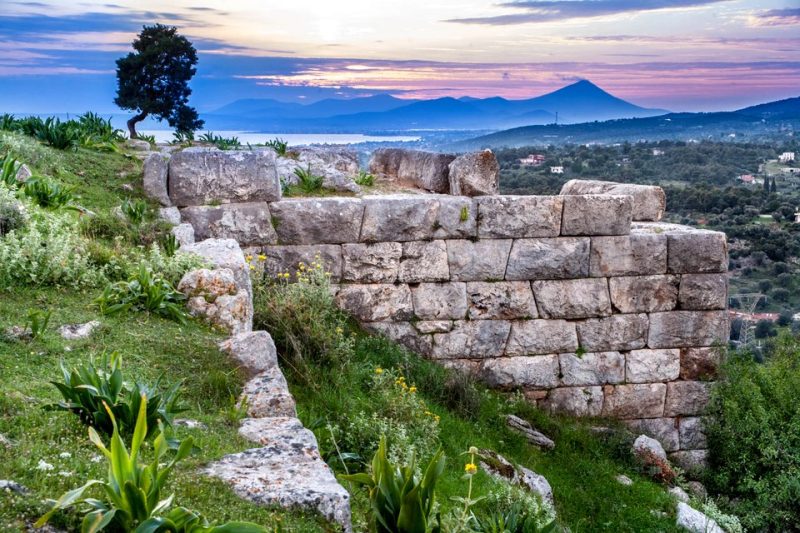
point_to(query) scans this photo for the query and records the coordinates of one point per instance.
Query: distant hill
(781, 109)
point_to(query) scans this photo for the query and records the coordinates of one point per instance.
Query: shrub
(754, 438)
(143, 292)
(279, 145)
(8, 172)
(365, 179)
(12, 215)
(99, 396)
(308, 181)
(511, 509)
(60, 135)
(220, 142)
(134, 210)
(47, 193)
(37, 322)
(131, 496)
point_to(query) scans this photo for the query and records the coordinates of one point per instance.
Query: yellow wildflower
(252, 267)
(412, 389)
(262, 257)
(339, 331)
(470, 469)
(379, 370)
(248, 258)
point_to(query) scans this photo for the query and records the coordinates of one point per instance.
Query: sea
(294, 139)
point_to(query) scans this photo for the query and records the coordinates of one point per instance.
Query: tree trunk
(132, 123)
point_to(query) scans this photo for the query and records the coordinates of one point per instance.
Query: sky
(681, 55)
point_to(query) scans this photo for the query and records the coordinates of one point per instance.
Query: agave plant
(143, 292)
(9, 167)
(135, 210)
(61, 135)
(48, 193)
(279, 145)
(308, 181)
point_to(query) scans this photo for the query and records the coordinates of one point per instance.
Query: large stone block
(693, 462)
(424, 170)
(288, 258)
(644, 294)
(252, 351)
(616, 332)
(650, 366)
(434, 326)
(664, 430)
(472, 339)
(399, 217)
(223, 253)
(154, 172)
(700, 364)
(687, 398)
(376, 303)
(337, 165)
(317, 220)
(440, 301)
(634, 401)
(204, 177)
(501, 217)
(629, 255)
(538, 372)
(697, 251)
(693, 436)
(423, 261)
(457, 219)
(679, 329)
(575, 401)
(557, 258)
(649, 202)
(572, 298)
(371, 263)
(403, 333)
(474, 174)
(599, 368)
(500, 300)
(534, 337)
(248, 223)
(704, 291)
(596, 214)
(483, 260)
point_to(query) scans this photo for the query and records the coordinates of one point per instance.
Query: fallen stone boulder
(695, 521)
(253, 351)
(78, 331)
(498, 466)
(154, 171)
(215, 296)
(474, 174)
(649, 202)
(412, 168)
(535, 437)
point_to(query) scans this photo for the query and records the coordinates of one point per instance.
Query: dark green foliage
(60, 135)
(154, 79)
(308, 181)
(513, 520)
(754, 439)
(8, 171)
(143, 292)
(37, 322)
(135, 210)
(48, 193)
(765, 328)
(11, 217)
(279, 145)
(223, 143)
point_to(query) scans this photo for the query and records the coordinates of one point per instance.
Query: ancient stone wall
(566, 298)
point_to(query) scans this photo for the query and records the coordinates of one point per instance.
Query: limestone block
(154, 172)
(424, 170)
(687, 398)
(647, 448)
(649, 202)
(399, 218)
(474, 174)
(572, 298)
(575, 401)
(215, 296)
(502, 217)
(403, 333)
(376, 303)
(248, 223)
(433, 326)
(557, 258)
(616, 332)
(483, 260)
(628, 255)
(650, 366)
(694, 521)
(664, 430)
(183, 233)
(440, 301)
(317, 220)
(597, 368)
(534, 337)
(472, 339)
(692, 461)
(223, 253)
(692, 433)
(204, 177)
(697, 251)
(337, 165)
(700, 364)
(253, 351)
(458, 218)
(540, 372)
(288, 258)
(704, 291)
(267, 395)
(423, 261)
(679, 329)
(500, 300)
(644, 294)
(596, 214)
(371, 263)
(634, 401)
(170, 214)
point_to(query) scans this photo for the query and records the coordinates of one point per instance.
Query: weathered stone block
(704, 291)
(154, 172)
(501, 300)
(649, 202)
(697, 251)
(539, 372)
(267, 395)
(597, 368)
(403, 333)
(687, 398)
(700, 364)
(204, 177)
(248, 223)
(650, 366)
(399, 218)
(458, 218)
(664, 430)
(572, 298)
(596, 215)
(629, 255)
(425, 170)
(287, 258)
(376, 303)
(616, 332)
(371, 263)
(474, 174)
(634, 401)
(170, 214)
(503, 217)
(434, 326)
(534, 337)
(183, 233)
(557, 258)
(253, 351)
(423, 261)
(693, 436)
(575, 401)
(440, 301)
(472, 339)
(644, 294)
(679, 329)
(693, 461)
(483, 260)
(223, 253)
(317, 220)
(337, 165)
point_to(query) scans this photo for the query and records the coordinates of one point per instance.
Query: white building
(657, 152)
(556, 170)
(785, 157)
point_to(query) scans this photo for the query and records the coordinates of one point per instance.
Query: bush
(60, 135)
(12, 215)
(754, 438)
(365, 179)
(308, 181)
(143, 292)
(279, 145)
(47, 193)
(9, 167)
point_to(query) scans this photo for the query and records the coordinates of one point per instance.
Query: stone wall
(566, 298)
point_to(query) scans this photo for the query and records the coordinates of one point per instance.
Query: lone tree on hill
(154, 79)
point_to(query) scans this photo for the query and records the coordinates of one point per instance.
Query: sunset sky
(58, 56)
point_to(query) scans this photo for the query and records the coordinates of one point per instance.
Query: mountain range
(582, 101)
